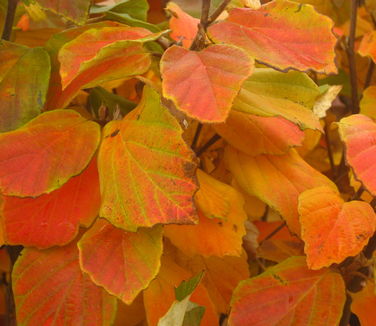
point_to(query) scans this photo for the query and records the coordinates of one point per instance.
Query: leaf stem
(196, 136)
(8, 26)
(329, 148)
(346, 311)
(273, 233)
(199, 41)
(351, 57)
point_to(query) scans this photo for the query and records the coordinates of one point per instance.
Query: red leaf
(204, 84)
(124, 263)
(53, 219)
(289, 294)
(146, 169)
(284, 34)
(42, 155)
(50, 289)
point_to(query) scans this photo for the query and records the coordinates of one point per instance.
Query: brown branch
(196, 136)
(199, 40)
(346, 312)
(351, 57)
(8, 26)
(210, 142)
(218, 11)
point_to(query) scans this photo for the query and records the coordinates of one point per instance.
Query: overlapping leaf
(50, 289)
(283, 34)
(204, 84)
(53, 219)
(367, 46)
(42, 155)
(76, 11)
(332, 229)
(115, 53)
(256, 135)
(270, 93)
(221, 222)
(122, 262)
(183, 26)
(276, 180)
(146, 169)
(363, 304)
(368, 102)
(24, 77)
(163, 286)
(289, 294)
(358, 132)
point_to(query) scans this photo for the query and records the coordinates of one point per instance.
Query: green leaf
(23, 85)
(193, 314)
(186, 288)
(100, 97)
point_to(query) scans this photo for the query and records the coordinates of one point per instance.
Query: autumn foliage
(185, 164)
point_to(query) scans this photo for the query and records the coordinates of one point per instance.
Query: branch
(8, 26)
(199, 41)
(218, 11)
(351, 57)
(210, 142)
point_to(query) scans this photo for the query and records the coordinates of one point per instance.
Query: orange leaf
(279, 250)
(122, 262)
(255, 135)
(283, 33)
(53, 219)
(74, 54)
(363, 305)
(289, 294)
(367, 46)
(50, 289)
(146, 170)
(276, 180)
(204, 84)
(221, 276)
(183, 26)
(358, 132)
(32, 157)
(221, 226)
(332, 229)
(160, 294)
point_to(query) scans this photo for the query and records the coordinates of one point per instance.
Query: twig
(346, 312)
(273, 233)
(351, 57)
(196, 136)
(218, 11)
(358, 194)
(371, 69)
(199, 39)
(8, 26)
(210, 142)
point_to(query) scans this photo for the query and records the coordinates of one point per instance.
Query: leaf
(256, 135)
(3, 13)
(269, 93)
(74, 57)
(289, 294)
(146, 169)
(163, 286)
(183, 26)
(324, 101)
(76, 11)
(186, 288)
(332, 229)
(368, 102)
(204, 84)
(367, 46)
(215, 234)
(50, 289)
(276, 180)
(23, 85)
(124, 263)
(363, 304)
(31, 157)
(278, 250)
(54, 218)
(119, 59)
(281, 33)
(358, 133)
